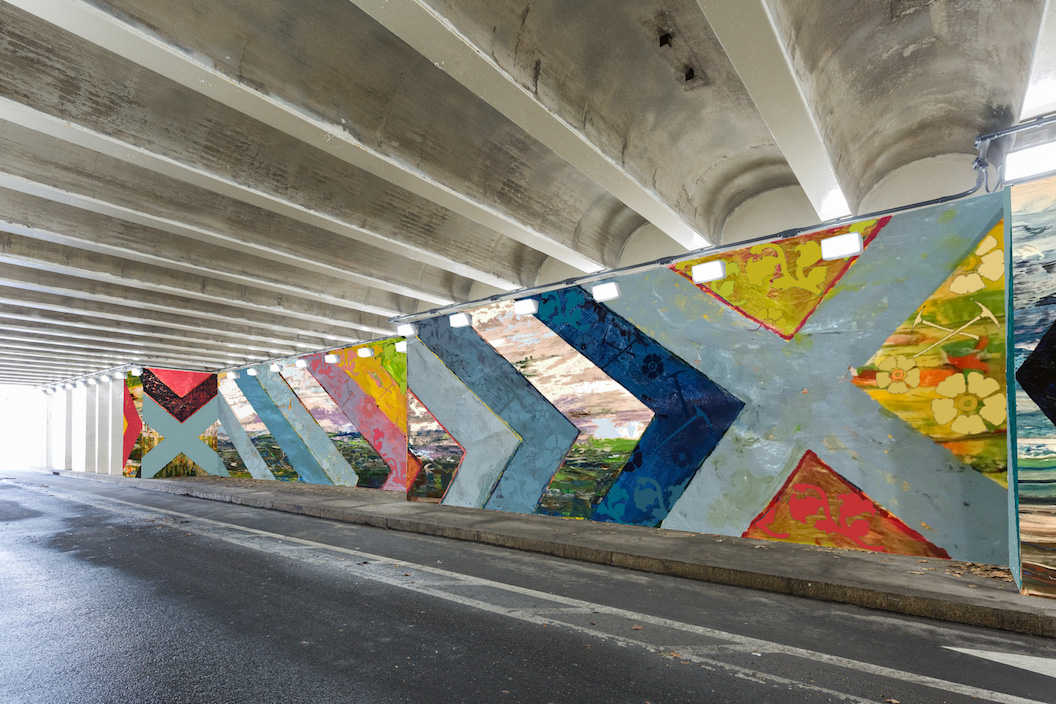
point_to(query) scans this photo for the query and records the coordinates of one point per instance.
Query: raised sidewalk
(977, 595)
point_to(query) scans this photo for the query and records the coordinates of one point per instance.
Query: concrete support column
(117, 426)
(102, 425)
(78, 428)
(67, 425)
(50, 406)
(91, 428)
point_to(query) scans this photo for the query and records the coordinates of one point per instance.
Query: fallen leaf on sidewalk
(892, 701)
(636, 628)
(914, 572)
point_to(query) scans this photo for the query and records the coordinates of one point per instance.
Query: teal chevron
(315, 438)
(546, 435)
(300, 457)
(488, 443)
(180, 438)
(255, 464)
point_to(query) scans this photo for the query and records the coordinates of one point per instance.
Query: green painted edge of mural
(1015, 563)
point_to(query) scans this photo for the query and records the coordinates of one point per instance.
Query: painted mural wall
(342, 423)
(1033, 265)
(857, 402)
(170, 424)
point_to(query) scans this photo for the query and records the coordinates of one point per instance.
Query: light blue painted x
(180, 437)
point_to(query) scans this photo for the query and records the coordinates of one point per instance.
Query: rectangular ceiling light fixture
(526, 306)
(232, 375)
(708, 271)
(406, 330)
(274, 367)
(401, 346)
(251, 372)
(461, 320)
(842, 246)
(331, 359)
(365, 352)
(301, 364)
(91, 381)
(1033, 161)
(607, 291)
(136, 371)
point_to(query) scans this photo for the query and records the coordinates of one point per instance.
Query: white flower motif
(991, 267)
(897, 374)
(968, 400)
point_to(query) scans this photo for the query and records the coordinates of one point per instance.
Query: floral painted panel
(943, 370)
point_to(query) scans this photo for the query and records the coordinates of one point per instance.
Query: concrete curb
(1006, 610)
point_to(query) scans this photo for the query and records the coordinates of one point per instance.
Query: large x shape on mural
(181, 438)
(799, 395)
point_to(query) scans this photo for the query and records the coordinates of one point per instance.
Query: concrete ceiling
(202, 184)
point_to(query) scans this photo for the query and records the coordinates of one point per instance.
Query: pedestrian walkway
(968, 593)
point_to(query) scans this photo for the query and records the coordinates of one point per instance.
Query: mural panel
(262, 442)
(610, 420)
(180, 415)
(371, 393)
(1033, 235)
(433, 447)
(371, 470)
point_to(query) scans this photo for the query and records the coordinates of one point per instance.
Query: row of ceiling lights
(836, 247)
(118, 374)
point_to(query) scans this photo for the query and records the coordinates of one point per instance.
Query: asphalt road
(114, 594)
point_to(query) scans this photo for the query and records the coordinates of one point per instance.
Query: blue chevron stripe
(301, 458)
(546, 434)
(692, 413)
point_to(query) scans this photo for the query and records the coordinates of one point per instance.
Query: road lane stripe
(375, 563)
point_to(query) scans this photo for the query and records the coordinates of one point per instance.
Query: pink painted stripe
(387, 439)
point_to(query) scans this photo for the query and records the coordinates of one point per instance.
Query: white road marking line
(1043, 666)
(755, 644)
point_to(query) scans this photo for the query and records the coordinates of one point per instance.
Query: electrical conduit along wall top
(696, 407)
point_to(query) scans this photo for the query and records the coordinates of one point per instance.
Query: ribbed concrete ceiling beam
(57, 223)
(284, 252)
(27, 378)
(747, 34)
(149, 304)
(135, 340)
(74, 91)
(54, 368)
(98, 272)
(91, 365)
(14, 343)
(25, 116)
(439, 40)
(38, 339)
(107, 31)
(36, 164)
(103, 364)
(130, 312)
